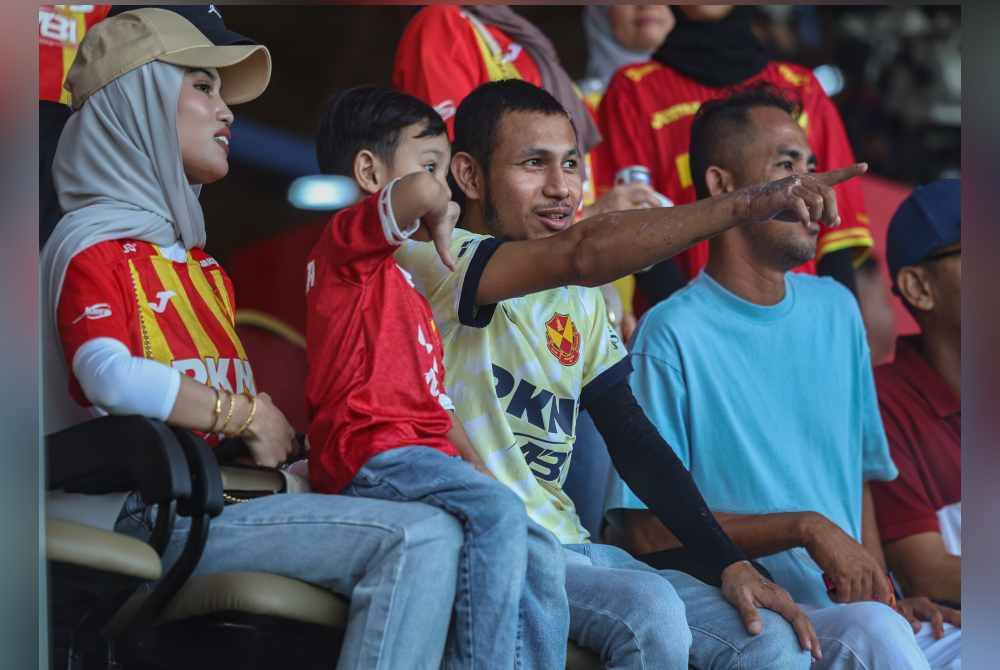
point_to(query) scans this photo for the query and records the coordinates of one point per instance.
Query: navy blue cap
(206, 18)
(928, 220)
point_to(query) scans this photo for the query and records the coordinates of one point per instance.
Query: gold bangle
(253, 410)
(229, 414)
(217, 412)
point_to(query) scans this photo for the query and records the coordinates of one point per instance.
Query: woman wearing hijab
(646, 115)
(138, 319)
(619, 35)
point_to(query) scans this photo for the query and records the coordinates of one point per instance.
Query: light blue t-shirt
(772, 409)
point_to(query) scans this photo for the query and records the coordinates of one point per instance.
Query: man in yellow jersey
(526, 346)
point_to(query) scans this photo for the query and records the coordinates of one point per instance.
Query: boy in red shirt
(380, 420)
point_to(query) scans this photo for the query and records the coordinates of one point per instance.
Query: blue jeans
(396, 562)
(638, 617)
(510, 603)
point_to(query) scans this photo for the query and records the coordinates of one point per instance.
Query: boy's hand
(439, 224)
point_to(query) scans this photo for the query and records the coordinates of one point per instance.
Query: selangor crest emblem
(563, 339)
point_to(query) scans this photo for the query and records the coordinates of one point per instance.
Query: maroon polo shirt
(923, 423)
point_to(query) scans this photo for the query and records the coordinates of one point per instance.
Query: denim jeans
(861, 636)
(510, 603)
(396, 562)
(638, 617)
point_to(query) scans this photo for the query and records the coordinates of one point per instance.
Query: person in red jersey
(381, 422)
(645, 119)
(60, 30)
(920, 513)
(138, 320)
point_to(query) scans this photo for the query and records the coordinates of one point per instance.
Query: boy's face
(431, 154)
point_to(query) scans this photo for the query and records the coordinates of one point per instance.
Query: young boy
(380, 420)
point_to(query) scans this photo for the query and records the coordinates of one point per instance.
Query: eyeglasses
(943, 254)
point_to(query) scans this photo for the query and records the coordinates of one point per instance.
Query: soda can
(640, 174)
(634, 174)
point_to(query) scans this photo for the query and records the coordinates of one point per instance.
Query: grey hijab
(604, 53)
(119, 175)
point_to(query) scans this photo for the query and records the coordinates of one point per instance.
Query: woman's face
(640, 27)
(203, 121)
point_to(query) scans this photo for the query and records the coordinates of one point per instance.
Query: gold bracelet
(217, 412)
(229, 414)
(253, 410)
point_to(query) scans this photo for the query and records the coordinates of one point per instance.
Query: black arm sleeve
(654, 473)
(839, 265)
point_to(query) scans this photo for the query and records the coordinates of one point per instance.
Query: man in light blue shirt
(760, 380)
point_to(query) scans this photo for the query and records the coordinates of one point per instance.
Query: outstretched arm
(603, 248)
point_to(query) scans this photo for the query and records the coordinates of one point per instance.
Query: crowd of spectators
(544, 401)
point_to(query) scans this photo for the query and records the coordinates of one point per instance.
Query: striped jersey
(519, 370)
(645, 118)
(60, 30)
(163, 303)
(445, 53)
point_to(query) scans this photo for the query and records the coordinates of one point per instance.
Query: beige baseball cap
(131, 39)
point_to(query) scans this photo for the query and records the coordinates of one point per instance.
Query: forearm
(460, 440)
(755, 534)
(194, 408)
(414, 195)
(871, 539)
(654, 473)
(941, 580)
(615, 244)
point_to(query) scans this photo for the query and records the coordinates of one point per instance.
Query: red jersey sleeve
(833, 150)
(902, 506)
(438, 60)
(92, 303)
(626, 134)
(358, 239)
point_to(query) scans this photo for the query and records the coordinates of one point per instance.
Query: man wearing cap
(138, 320)
(920, 512)
(759, 378)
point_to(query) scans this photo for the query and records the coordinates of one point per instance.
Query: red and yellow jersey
(646, 116)
(445, 53)
(177, 310)
(376, 363)
(60, 30)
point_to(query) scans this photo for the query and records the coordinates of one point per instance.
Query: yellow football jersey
(518, 371)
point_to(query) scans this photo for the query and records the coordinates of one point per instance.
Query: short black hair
(719, 124)
(369, 117)
(480, 113)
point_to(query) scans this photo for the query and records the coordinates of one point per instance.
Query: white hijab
(119, 175)
(604, 53)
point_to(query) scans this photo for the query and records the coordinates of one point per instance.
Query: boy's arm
(603, 248)
(460, 440)
(419, 195)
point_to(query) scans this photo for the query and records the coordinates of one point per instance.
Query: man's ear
(468, 175)
(718, 181)
(915, 287)
(369, 172)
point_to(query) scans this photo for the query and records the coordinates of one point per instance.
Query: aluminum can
(634, 174)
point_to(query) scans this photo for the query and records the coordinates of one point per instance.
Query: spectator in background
(646, 115)
(920, 513)
(138, 320)
(760, 379)
(619, 35)
(876, 310)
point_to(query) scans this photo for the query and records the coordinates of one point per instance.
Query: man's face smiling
(534, 184)
(778, 148)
